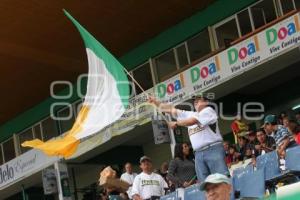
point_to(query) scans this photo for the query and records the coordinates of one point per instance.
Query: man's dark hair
(261, 130)
(202, 97)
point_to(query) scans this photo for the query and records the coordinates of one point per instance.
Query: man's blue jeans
(210, 161)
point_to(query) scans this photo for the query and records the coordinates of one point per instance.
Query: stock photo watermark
(137, 104)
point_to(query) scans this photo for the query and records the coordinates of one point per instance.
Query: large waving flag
(105, 101)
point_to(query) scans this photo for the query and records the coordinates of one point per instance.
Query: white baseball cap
(215, 179)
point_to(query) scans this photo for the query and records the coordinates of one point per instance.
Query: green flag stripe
(112, 64)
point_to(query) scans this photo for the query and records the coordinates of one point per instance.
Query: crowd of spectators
(277, 133)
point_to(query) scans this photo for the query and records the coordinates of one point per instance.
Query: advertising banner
(28, 163)
(49, 181)
(161, 131)
(210, 72)
(232, 61)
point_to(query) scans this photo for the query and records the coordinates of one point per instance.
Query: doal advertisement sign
(204, 74)
(281, 36)
(27, 163)
(173, 89)
(232, 61)
(242, 55)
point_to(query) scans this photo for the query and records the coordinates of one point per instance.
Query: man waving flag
(105, 101)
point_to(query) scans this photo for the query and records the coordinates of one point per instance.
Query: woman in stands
(294, 128)
(181, 171)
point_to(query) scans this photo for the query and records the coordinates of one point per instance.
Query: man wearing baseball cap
(216, 187)
(283, 138)
(204, 134)
(148, 185)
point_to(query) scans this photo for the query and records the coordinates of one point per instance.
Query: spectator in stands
(204, 134)
(216, 187)
(294, 128)
(242, 146)
(281, 116)
(283, 138)
(226, 147)
(269, 132)
(128, 176)
(265, 142)
(285, 121)
(182, 168)
(249, 153)
(252, 142)
(233, 156)
(163, 171)
(298, 117)
(148, 185)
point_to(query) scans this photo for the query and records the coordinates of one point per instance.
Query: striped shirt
(281, 134)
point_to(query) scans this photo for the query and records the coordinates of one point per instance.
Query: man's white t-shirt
(147, 185)
(129, 178)
(201, 134)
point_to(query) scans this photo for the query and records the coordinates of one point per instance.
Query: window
(49, 129)
(226, 32)
(143, 76)
(297, 4)
(9, 150)
(25, 136)
(263, 13)
(165, 64)
(287, 6)
(244, 22)
(131, 85)
(1, 155)
(37, 132)
(182, 55)
(199, 45)
(67, 119)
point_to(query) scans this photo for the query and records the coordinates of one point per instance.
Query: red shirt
(297, 138)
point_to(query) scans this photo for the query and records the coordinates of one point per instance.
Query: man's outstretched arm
(169, 108)
(163, 107)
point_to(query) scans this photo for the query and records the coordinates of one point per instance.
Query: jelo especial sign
(232, 61)
(29, 162)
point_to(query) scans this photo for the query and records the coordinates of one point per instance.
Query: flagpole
(137, 83)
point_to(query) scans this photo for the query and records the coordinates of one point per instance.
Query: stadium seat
(252, 184)
(194, 193)
(170, 196)
(237, 173)
(114, 197)
(293, 159)
(232, 193)
(270, 164)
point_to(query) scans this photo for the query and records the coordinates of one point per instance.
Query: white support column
(58, 178)
(172, 137)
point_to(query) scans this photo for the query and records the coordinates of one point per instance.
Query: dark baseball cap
(270, 119)
(200, 96)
